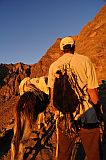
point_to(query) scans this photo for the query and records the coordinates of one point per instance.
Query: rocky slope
(92, 42)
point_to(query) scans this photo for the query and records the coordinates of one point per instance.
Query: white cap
(65, 41)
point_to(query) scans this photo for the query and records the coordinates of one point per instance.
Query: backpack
(65, 98)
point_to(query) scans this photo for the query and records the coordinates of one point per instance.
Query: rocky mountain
(91, 41)
(10, 78)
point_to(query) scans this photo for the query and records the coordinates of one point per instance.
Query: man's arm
(93, 93)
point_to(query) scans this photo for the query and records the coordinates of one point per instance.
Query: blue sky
(29, 27)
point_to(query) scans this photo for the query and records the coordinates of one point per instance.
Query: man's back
(85, 74)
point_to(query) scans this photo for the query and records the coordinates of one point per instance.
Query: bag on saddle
(65, 98)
